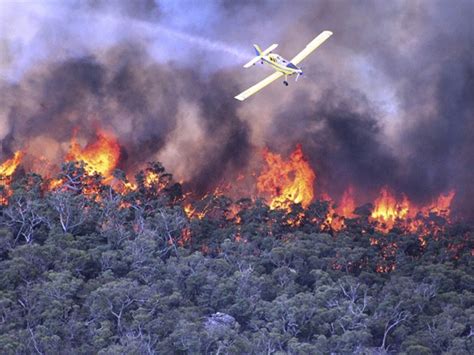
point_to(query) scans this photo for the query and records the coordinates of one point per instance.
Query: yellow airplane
(280, 64)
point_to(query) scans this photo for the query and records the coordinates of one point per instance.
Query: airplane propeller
(276, 61)
(299, 74)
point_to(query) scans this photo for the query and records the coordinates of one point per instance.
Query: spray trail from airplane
(153, 29)
(204, 43)
(29, 42)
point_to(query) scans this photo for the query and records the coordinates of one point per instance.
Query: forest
(93, 267)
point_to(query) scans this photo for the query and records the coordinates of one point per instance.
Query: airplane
(282, 66)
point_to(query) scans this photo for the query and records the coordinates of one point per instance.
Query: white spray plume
(77, 32)
(202, 42)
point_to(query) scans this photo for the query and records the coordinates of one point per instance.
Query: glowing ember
(287, 182)
(185, 237)
(8, 167)
(382, 269)
(192, 212)
(189, 210)
(54, 184)
(151, 178)
(100, 156)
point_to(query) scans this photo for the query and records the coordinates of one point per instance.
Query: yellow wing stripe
(315, 43)
(259, 86)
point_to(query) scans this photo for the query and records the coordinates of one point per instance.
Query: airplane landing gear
(285, 83)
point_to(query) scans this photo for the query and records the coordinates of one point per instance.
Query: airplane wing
(315, 43)
(259, 86)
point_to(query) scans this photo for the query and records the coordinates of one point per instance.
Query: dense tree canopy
(87, 269)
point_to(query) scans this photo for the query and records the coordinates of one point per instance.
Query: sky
(387, 100)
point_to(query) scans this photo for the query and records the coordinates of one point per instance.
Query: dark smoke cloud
(136, 99)
(341, 136)
(442, 146)
(388, 100)
(406, 119)
(229, 136)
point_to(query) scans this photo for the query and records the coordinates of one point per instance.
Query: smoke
(388, 100)
(139, 101)
(203, 43)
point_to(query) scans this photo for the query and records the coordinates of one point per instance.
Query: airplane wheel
(285, 83)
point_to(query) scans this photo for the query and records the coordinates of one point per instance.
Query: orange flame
(185, 237)
(151, 178)
(345, 209)
(441, 206)
(100, 156)
(6, 171)
(347, 204)
(287, 182)
(387, 210)
(8, 167)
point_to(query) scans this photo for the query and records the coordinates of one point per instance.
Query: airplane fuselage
(281, 64)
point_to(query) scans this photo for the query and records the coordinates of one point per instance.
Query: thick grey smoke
(388, 100)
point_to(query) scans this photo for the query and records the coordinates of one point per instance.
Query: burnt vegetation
(93, 266)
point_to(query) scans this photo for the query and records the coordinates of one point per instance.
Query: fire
(387, 210)
(189, 210)
(382, 269)
(151, 178)
(6, 171)
(347, 204)
(344, 209)
(100, 156)
(287, 182)
(185, 237)
(54, 184)
(442, 205)
(282, 181)
(336, 215)
(8, 167)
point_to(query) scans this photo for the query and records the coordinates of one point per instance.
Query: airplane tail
(260, 54)
(258, 51)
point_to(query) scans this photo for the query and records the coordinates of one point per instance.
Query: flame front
(287, 182)
(388, 210)
(282, 182)
(100, 156)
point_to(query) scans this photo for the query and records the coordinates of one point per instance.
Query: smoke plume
(388, 100)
